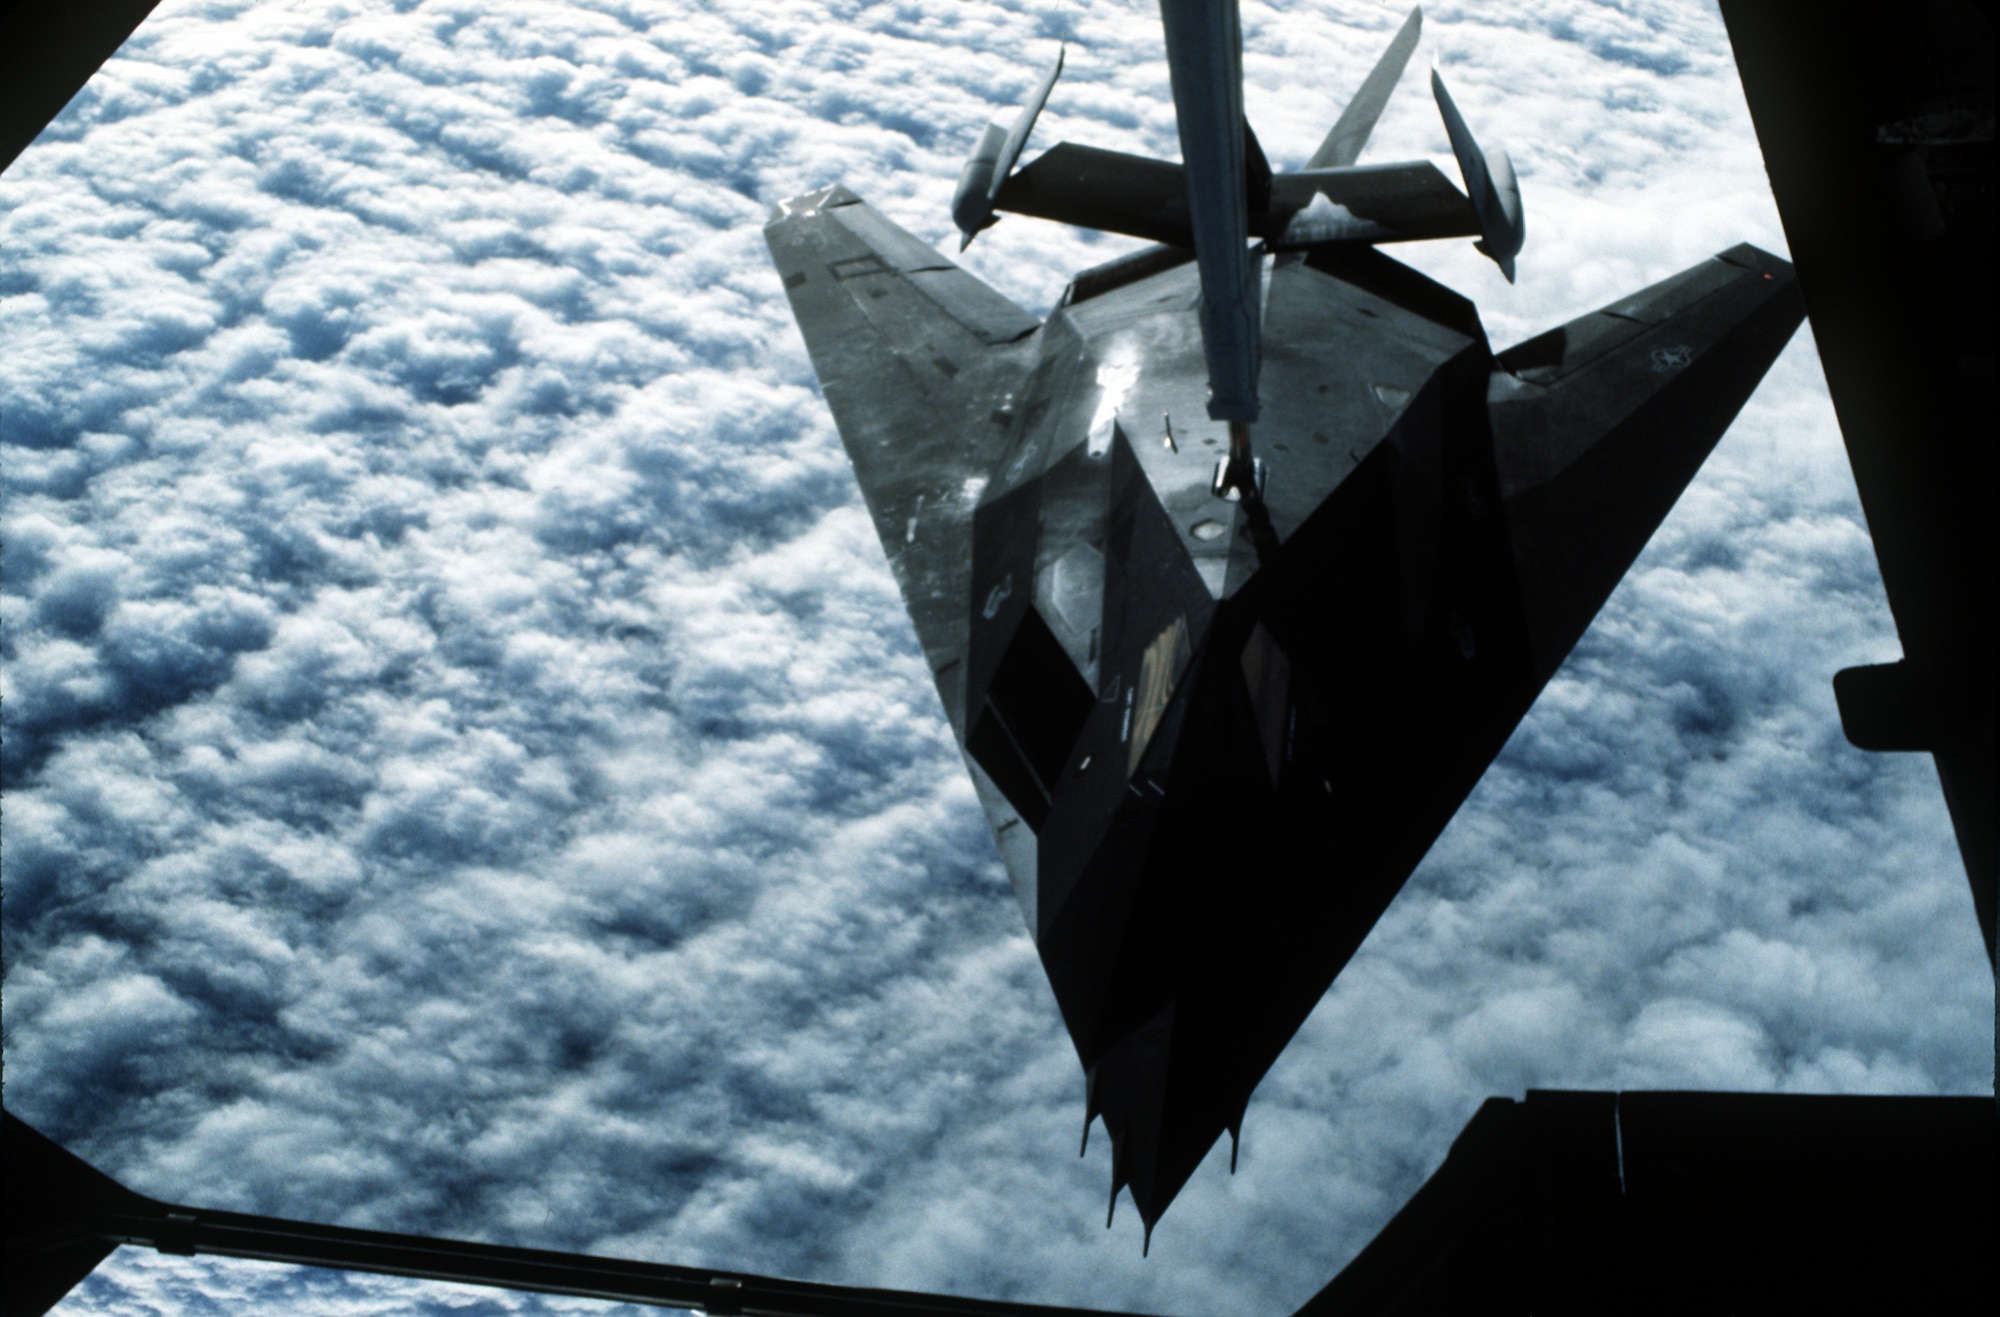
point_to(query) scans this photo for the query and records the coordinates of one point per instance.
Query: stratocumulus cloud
(467, 768)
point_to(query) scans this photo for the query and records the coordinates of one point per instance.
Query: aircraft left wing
(916, 358)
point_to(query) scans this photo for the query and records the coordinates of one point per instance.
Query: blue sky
(467, 769)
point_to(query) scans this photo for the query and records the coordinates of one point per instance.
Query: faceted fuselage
(1214, 738)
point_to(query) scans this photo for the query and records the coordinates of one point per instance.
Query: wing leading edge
(917, 359)
(919, 362)
(1599, 425)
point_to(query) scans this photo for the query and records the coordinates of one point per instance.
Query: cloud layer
(467, 769)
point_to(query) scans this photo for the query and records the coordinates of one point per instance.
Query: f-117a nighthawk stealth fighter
(1237, 570)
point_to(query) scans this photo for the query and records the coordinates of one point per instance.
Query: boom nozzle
(1239, 475)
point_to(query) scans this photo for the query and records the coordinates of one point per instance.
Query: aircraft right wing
(1600, 424)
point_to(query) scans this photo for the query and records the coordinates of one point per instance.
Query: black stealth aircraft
(1218, 705)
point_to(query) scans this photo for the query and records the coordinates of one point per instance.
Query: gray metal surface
(1205, 58)
(925, 402)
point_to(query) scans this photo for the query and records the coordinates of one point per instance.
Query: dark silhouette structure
(1603, 1204)
(64, 1217)
(1565, 1203)
(1877, 128)
(50, 50)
